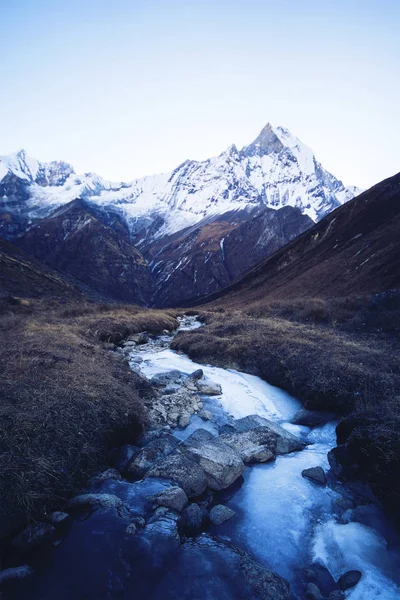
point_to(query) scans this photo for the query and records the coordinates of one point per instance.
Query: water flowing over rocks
(238, 463)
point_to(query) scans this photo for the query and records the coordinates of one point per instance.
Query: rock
(321, 576)
(169, 389)
(206, 415)
(213, 568)
(183, 420)
(57, 517)
(139, 338)
(312, 418)
(139, 522)
(162, 539)
(153, 434)
(183, 470)
(254, 445)
(108, 474)
(167, 378)
(344, 503)
(131, 529)
(15, 573)
(192, 520)
(316, 474)
(120, 457)
(349, 580)
(285, 441)
(313, 592)
(221, 463)
(33, 535)
(198, 374)
(173, 498)
(220, 513)
(167, 408)
(103, 500)
(150, 454)
(207, 387)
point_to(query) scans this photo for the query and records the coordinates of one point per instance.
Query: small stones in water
(220, 513)
(173, 498)
(206, 415)
(33, 535)
(349, 580)
(316, 474)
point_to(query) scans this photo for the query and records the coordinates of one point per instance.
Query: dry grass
(65, 400)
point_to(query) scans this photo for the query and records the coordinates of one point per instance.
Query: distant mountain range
(163, 239)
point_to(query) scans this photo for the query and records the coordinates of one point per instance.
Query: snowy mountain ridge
(275, 170)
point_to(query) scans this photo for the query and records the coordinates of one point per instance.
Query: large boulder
(221, 463)
(145, 458)
(254, 446)
(285, 441)
(183, 470)
(173, 498)
(312, 418)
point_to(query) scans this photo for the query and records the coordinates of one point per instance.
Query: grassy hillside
(66, 400)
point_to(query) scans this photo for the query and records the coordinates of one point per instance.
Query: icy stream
(284, 520)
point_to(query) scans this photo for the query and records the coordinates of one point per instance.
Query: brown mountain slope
(22, 276)
(75, 241)
(353, 251)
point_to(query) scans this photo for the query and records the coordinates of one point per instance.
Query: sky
(127, 88)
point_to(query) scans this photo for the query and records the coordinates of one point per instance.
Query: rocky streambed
(229, 495)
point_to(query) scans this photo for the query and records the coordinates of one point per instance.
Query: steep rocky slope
(212, 255)
(75, 241)
(353, 251)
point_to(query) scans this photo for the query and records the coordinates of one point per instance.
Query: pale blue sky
(128, 88)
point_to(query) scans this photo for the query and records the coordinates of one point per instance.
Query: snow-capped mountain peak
(275, 170)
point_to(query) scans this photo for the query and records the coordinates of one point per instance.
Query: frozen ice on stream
(284, 520)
